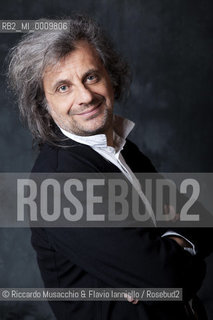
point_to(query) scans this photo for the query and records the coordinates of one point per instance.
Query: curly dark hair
(29, 59)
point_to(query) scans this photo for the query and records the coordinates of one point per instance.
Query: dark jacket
(110, 257)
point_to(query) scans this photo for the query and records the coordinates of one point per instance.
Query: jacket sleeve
(129, 257)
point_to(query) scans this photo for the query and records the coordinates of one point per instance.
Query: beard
(100, 126)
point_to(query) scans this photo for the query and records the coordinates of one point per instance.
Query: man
(66, 82)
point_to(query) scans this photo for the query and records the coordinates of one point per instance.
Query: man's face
(79, 92)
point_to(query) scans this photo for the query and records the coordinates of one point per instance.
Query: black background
(168, 45)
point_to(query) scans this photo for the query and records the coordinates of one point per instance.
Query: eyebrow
(67, 81)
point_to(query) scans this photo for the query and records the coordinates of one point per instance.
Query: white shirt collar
(121, 126)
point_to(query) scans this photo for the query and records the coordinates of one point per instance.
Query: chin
(95, 128)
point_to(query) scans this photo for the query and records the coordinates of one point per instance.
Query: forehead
(83, 57)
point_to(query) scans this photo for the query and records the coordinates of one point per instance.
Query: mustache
(94, 103)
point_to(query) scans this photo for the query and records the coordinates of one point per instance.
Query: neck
(109, 136)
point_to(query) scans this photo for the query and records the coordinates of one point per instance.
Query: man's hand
(130, 299)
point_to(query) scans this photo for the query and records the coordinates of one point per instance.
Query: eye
(62, 89)
(92, 78)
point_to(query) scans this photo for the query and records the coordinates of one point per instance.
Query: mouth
(91, 111)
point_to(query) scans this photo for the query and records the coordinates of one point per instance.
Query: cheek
(110, 91)
(111, 95)
(107, 91)
(61, 105)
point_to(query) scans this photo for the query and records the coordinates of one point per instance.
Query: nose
(83, 95)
